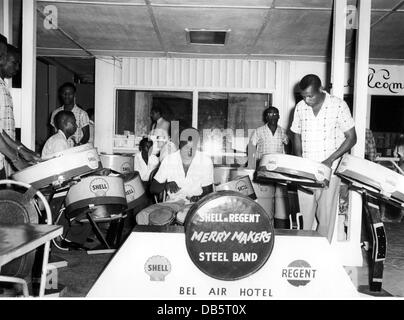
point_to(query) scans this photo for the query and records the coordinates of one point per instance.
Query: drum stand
(374, 225)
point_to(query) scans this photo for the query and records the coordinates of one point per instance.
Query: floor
(84, 269)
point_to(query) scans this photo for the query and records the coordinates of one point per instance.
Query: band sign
(228, 235)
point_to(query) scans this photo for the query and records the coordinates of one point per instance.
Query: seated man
(145, 161)
(186, 174)
(65, 122)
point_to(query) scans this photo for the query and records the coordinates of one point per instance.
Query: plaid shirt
(82, 120)
(267, 142)
(7, 122)
(370, 146)
(323, 134)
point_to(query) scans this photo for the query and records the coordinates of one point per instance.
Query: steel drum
(239, 184)
(135, 192)
(156, 214)
(60, 169)
(117, 163)
(375, 178)
(103, 195)
(161, 217)
(284, 168)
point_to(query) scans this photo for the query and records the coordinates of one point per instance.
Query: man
(67, 93)
(145, 162)
(158, 122)
(65, 122)
(272, 138)
(324, 130)
(370, 146)
(162, 145)
(187, 174)
(9, 66)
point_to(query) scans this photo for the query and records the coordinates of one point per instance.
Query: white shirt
(82, 120)
(7, 122)
(267, 142)
(200, 174)
(162, 124)
(323, 134)
(143, 168)
(55, 143)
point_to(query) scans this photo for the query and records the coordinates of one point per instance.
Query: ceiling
(260, 29)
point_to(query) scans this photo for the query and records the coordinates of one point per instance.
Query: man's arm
(350, 141)
(19, 148)
(86, 135)
(297, 144)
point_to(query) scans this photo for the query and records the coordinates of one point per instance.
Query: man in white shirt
(272, 138)
(65, 122)
(145, 162)
(67, 93)
(186, 174)
(158, 122)
(324, 130)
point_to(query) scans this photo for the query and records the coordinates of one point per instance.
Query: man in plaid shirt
(324, 130)
(271, 138)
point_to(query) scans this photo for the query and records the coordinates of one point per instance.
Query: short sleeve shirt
(323, 134)
(7, 122)
(267, 142)
(200, 174)
(82, 120)
(55, 143)
(143, 168)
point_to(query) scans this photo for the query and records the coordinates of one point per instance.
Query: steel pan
(285, 168)
(377, 179)
(161, 217)
(239, 184)
(63, 167)
(135, 193)
(104, 195)
(118, 163)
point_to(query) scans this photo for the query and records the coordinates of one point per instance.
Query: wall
(221, 75)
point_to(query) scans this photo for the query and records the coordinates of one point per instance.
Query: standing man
(9, 66)
(158, 122)
(67, 93)
(272, 138)
(324, 130)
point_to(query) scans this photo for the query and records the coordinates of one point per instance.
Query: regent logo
(99, 186)
(241, 186)
(299, 273)
(126, 167)
(157, 267)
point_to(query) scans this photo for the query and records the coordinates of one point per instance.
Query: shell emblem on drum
(126, 167)
(129, 192)
(99, 187)
(228, 235)
(92, 160)
(157, 267)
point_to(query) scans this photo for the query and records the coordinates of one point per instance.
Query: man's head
(66, 122)
(3, 49)
(11, 65)
(310, 90)
(155, 113)
(189, 139)
(145, 145)
(67, 92)
(271, 115)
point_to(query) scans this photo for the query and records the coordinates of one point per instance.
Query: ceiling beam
(261, 30)
(155, 25)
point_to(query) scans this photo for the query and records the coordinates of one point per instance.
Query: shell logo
(271, 165)
(125, 167)
(93, 160)
(129, 192)
(157, 267)
(99, 187)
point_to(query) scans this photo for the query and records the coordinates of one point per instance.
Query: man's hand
(172, 187)
(194, 198)
(30, 156)
(327, 162)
